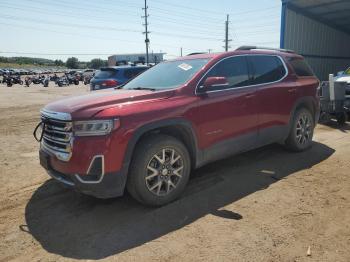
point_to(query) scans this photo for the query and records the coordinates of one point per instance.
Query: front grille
(57, 135)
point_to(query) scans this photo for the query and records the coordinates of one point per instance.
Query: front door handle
(250, 95)
(292, 90)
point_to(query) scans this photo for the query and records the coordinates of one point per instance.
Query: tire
(341, 118)
(301, 132)
(324, 118)
(153, 179)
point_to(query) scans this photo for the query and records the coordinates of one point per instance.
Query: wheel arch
(181, 129)
(307, 102)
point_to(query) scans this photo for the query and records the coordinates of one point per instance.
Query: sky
(86, 29)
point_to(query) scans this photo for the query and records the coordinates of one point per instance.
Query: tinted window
(131, 73)
(166, 75)
(235, 69)
(105, 73)
(267, 69)
(300, 67)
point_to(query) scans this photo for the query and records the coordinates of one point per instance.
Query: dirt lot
(265, 205)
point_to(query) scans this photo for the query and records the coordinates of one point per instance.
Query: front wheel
(301, 132)
(159, 170)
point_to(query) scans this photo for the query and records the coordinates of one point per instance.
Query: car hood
(86, 106)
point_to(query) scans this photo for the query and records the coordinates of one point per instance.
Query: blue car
(109, 77)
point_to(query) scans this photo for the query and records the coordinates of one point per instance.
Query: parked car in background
(177, 116)
(109, 77)
(88, 72)
(344, 76)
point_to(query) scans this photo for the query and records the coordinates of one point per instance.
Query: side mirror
(213, 83)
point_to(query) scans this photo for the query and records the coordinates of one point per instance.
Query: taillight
(110, 83)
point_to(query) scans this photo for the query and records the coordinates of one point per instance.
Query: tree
(59, 62)
(97, 63)
(72, 62)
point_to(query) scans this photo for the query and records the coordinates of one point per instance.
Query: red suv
(149, 134)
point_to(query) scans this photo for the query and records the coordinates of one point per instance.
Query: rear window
(131, 73)
(106, 73)
(267, 69)
(300, 67)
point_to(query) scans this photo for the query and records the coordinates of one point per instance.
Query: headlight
(94, 127)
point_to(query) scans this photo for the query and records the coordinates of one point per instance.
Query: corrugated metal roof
(335, 13)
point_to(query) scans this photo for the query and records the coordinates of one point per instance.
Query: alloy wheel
(164, 171)
(303, 129)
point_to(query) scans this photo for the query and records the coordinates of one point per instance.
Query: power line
(209, 30)
(65, 54)
(214, 12)
(159, 17)
(185, 36)
(41, 21)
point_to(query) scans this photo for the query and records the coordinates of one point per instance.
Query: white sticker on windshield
(185, 66)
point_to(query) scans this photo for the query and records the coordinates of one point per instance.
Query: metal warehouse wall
(327, 50)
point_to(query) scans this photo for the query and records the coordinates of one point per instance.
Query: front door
(226, 116)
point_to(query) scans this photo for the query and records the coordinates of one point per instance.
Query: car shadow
(76, 226)
(345, 128)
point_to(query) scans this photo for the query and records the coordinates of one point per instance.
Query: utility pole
(209, 50)
(181, 51)
(146, 31)
(226, 34)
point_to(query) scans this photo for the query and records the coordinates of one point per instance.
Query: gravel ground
(265, 205)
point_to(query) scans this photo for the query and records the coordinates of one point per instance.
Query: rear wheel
(159, 170)
(301, 132)
(341, 118)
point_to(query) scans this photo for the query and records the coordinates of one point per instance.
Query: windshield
(167, 75)
(105, 74)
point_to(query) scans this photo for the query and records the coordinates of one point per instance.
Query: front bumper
(96, 182)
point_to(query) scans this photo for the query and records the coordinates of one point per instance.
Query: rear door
(275, 96)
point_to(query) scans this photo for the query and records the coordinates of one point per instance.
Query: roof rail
(248, 47)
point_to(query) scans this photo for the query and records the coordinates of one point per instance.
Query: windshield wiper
(143, 88)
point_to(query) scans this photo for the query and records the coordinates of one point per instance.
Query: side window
(266, 69)
(300, 67)
(235, 69)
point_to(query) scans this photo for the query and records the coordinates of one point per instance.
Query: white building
(114, 60)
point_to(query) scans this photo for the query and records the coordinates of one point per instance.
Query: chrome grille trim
(66, 139)
(56, 115)
(56, 140)
(57, 137)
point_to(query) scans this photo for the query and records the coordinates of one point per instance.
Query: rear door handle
(292, 90)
